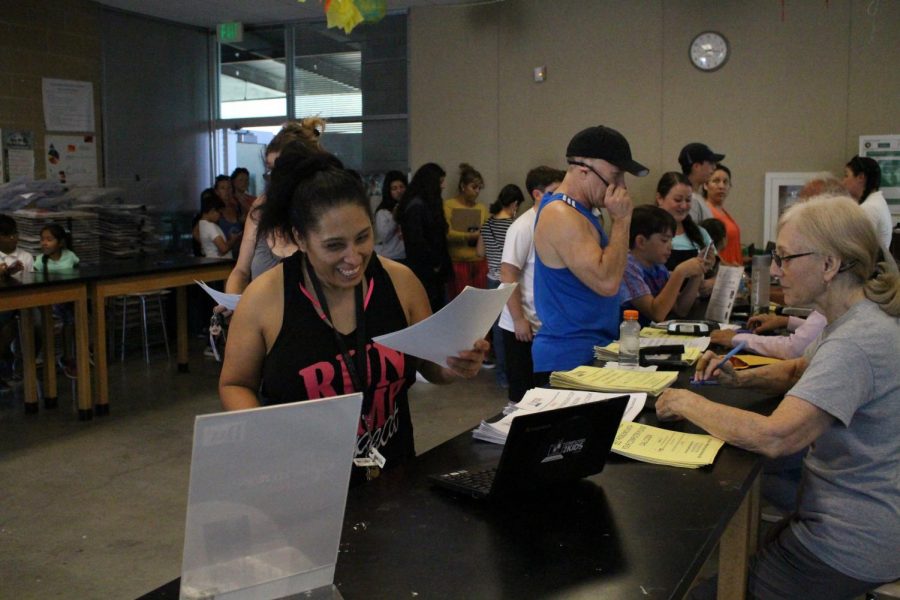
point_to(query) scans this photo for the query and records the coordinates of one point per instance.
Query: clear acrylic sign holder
(266, 500)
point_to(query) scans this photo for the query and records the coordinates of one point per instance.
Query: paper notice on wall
(68, 105)
(71, 159)
(18, 155)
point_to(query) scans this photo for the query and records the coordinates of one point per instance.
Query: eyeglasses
(779, 260)
(592, 169)
(267, 175)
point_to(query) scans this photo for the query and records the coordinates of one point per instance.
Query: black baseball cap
(696, 152)
(607, 144)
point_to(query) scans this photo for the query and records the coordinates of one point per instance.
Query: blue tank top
(574, 318)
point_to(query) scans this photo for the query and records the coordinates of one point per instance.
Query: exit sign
(229, 33)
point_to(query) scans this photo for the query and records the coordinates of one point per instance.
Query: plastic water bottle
(629, 340)
(759, 283)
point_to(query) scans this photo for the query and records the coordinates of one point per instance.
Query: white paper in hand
(452, 329)
(229, 301)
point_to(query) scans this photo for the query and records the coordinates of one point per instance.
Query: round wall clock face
(709, 51)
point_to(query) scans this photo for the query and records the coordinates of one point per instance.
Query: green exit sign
(229, 33)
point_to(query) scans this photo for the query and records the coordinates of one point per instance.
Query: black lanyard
(357, 371)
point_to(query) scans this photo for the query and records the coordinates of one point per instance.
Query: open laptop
(543, 449)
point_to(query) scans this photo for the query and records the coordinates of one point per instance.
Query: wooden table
(131, 277)
(97, 283)
(30, 290)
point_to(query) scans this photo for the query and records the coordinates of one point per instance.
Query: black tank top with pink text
(306, 363)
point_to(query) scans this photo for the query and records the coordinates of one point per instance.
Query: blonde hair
(823, 186)
(307, 131)
(834, 225)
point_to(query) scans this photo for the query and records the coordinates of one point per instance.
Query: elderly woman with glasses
(842, 399)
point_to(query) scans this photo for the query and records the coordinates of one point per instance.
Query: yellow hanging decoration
(343, 14)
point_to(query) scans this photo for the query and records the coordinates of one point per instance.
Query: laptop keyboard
(480, 481)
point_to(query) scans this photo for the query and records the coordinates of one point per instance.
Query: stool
(142, 298)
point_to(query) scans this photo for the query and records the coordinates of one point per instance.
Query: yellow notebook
(663, 447)
(605, 379)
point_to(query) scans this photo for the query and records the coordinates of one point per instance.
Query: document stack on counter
(605, 379)
(663, 447)
(651, 337)
(540, 399)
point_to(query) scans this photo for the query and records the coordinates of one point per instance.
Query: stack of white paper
(540, 399)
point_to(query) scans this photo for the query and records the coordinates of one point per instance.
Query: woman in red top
(716, 189)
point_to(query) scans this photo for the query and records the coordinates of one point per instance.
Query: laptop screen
(559, 445)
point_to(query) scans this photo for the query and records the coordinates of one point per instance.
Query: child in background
(212, 240)
(12, 262)
(58, 258)
(647, 285)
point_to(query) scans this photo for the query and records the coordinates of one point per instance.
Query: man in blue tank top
(577, 268)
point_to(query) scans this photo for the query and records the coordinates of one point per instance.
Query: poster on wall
(68, 105)
(17, 146)
(71, 159)
(886, 150)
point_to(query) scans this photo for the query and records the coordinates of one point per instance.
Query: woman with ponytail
(490, 244)
(260, 253)
(303, 330)
(841, 400)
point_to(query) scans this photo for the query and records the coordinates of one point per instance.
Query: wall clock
(708, 51)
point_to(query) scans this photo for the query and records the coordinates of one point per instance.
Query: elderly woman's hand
(707, 368)
(668, 405)
(467, 363)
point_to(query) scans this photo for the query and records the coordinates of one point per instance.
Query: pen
(733, 351)
(724, 360)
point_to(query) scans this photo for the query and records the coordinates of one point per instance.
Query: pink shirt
(785, 346)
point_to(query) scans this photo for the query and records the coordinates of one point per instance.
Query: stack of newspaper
(605, 379)
(663, 447)
(540, 399)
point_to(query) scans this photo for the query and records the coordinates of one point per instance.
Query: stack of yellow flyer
(606, 379)
(664, 447)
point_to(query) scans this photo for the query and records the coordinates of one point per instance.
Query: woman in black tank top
(304, 329)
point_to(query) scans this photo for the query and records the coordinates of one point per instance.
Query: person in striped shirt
(490, 244)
